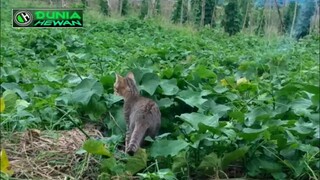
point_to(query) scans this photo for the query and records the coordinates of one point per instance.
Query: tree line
(295, 18)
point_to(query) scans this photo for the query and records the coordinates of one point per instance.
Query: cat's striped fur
(142, 115)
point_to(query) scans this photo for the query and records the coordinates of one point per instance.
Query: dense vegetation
(240, 106)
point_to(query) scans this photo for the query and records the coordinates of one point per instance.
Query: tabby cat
(142, 115)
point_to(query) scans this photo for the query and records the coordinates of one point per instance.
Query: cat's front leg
(128, 136)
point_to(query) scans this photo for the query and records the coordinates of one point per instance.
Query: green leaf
(149, 83)
(168, 72)
(210, 162)
(96, 147)
(112, 99)
(169, 87)
(137, 162)
(220, 89)
(180, 161)
(270, 166)
(16, 88)
(300, 106)
(303, 128)
(235, 155)
(238, 115)
(256, 114)
(204, 72)
(252, 131)
(192, 98)
(167, 147)
(85, 90)
(10, 97)
(107, 81)
(195, 118)
(108, 165)
(165, 102)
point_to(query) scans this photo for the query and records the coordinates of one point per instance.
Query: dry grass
(38, 154)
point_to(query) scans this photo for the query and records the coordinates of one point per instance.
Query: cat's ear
(118, 77)
(131, 76)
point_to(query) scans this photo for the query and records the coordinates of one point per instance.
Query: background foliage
(231, 106)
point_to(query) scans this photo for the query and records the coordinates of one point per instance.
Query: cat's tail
(136, 138)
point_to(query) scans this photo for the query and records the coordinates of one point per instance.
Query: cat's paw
(131, 150)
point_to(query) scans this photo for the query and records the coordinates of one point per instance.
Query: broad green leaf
(5, 165)
(15, 88)
(140, 72)
(279, 175)
(235, 155)
(167, 147)
(204, 72)
(220, 89)
(179, 161)
(300, 106)
(107, 81)
(149, 83)
(210, 162)
(303, 128)
(237, 115)
(96, 147)
(192, 98)
(112, 99)
(169, 87)
(165, 102)
(85, 90)
(137, 162)
(269, 166)
(308, 149)
(109, 165)
(220, 109)
(22, 104)
(252, 131)
(195, 118)
(96, 107)
(115, 120)
(256, 114)
(168, 72)
(10, 98)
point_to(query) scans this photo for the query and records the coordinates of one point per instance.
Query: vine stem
(68, 56)
(73, 122)
(111, 117)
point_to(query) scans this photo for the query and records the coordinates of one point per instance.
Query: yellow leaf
(2, 105)
(224, 82)
(242, 81)
(5, 166)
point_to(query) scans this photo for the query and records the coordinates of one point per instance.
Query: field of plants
(239, 106)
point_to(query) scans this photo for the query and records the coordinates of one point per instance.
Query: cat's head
(125, 86)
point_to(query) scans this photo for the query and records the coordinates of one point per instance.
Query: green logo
(47, 18)
(23, 18)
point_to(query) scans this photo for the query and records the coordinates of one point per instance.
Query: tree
(144, 9)
(290, 16)
(203, 11)
(261, 22)
(104, 7)
(232, 19)
(304, 19)
(208, 14)
(180, 12)
(123, 7)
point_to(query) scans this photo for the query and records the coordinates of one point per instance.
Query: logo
(47, 18)
(23, 18)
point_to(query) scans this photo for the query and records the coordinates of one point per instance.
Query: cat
(142, 115)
